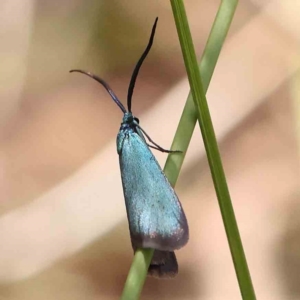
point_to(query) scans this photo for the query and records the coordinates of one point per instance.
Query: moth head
(129, 118)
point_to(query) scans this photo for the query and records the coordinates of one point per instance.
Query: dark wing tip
(171, 242)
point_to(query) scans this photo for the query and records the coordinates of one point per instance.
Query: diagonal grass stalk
(212, 151)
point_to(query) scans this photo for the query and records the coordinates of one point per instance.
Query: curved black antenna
(138, 66)
(106, 86)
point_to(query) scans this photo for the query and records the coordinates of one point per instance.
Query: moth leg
(161, 149)
(157, 147)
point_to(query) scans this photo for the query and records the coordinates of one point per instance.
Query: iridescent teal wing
(156, 218)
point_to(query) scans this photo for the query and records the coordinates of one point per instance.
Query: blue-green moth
(155, 216)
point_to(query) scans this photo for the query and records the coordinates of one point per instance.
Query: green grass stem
(212, 151)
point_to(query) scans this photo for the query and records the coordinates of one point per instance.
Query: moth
(155, 215)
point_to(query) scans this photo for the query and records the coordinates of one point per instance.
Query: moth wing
(156, 218)
(163, 265)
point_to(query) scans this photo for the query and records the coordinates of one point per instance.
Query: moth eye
(136, 120)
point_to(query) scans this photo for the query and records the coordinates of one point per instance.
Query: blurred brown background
(63, 226)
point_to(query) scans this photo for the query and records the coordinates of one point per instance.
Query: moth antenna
(138, 66)
(106, 86)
